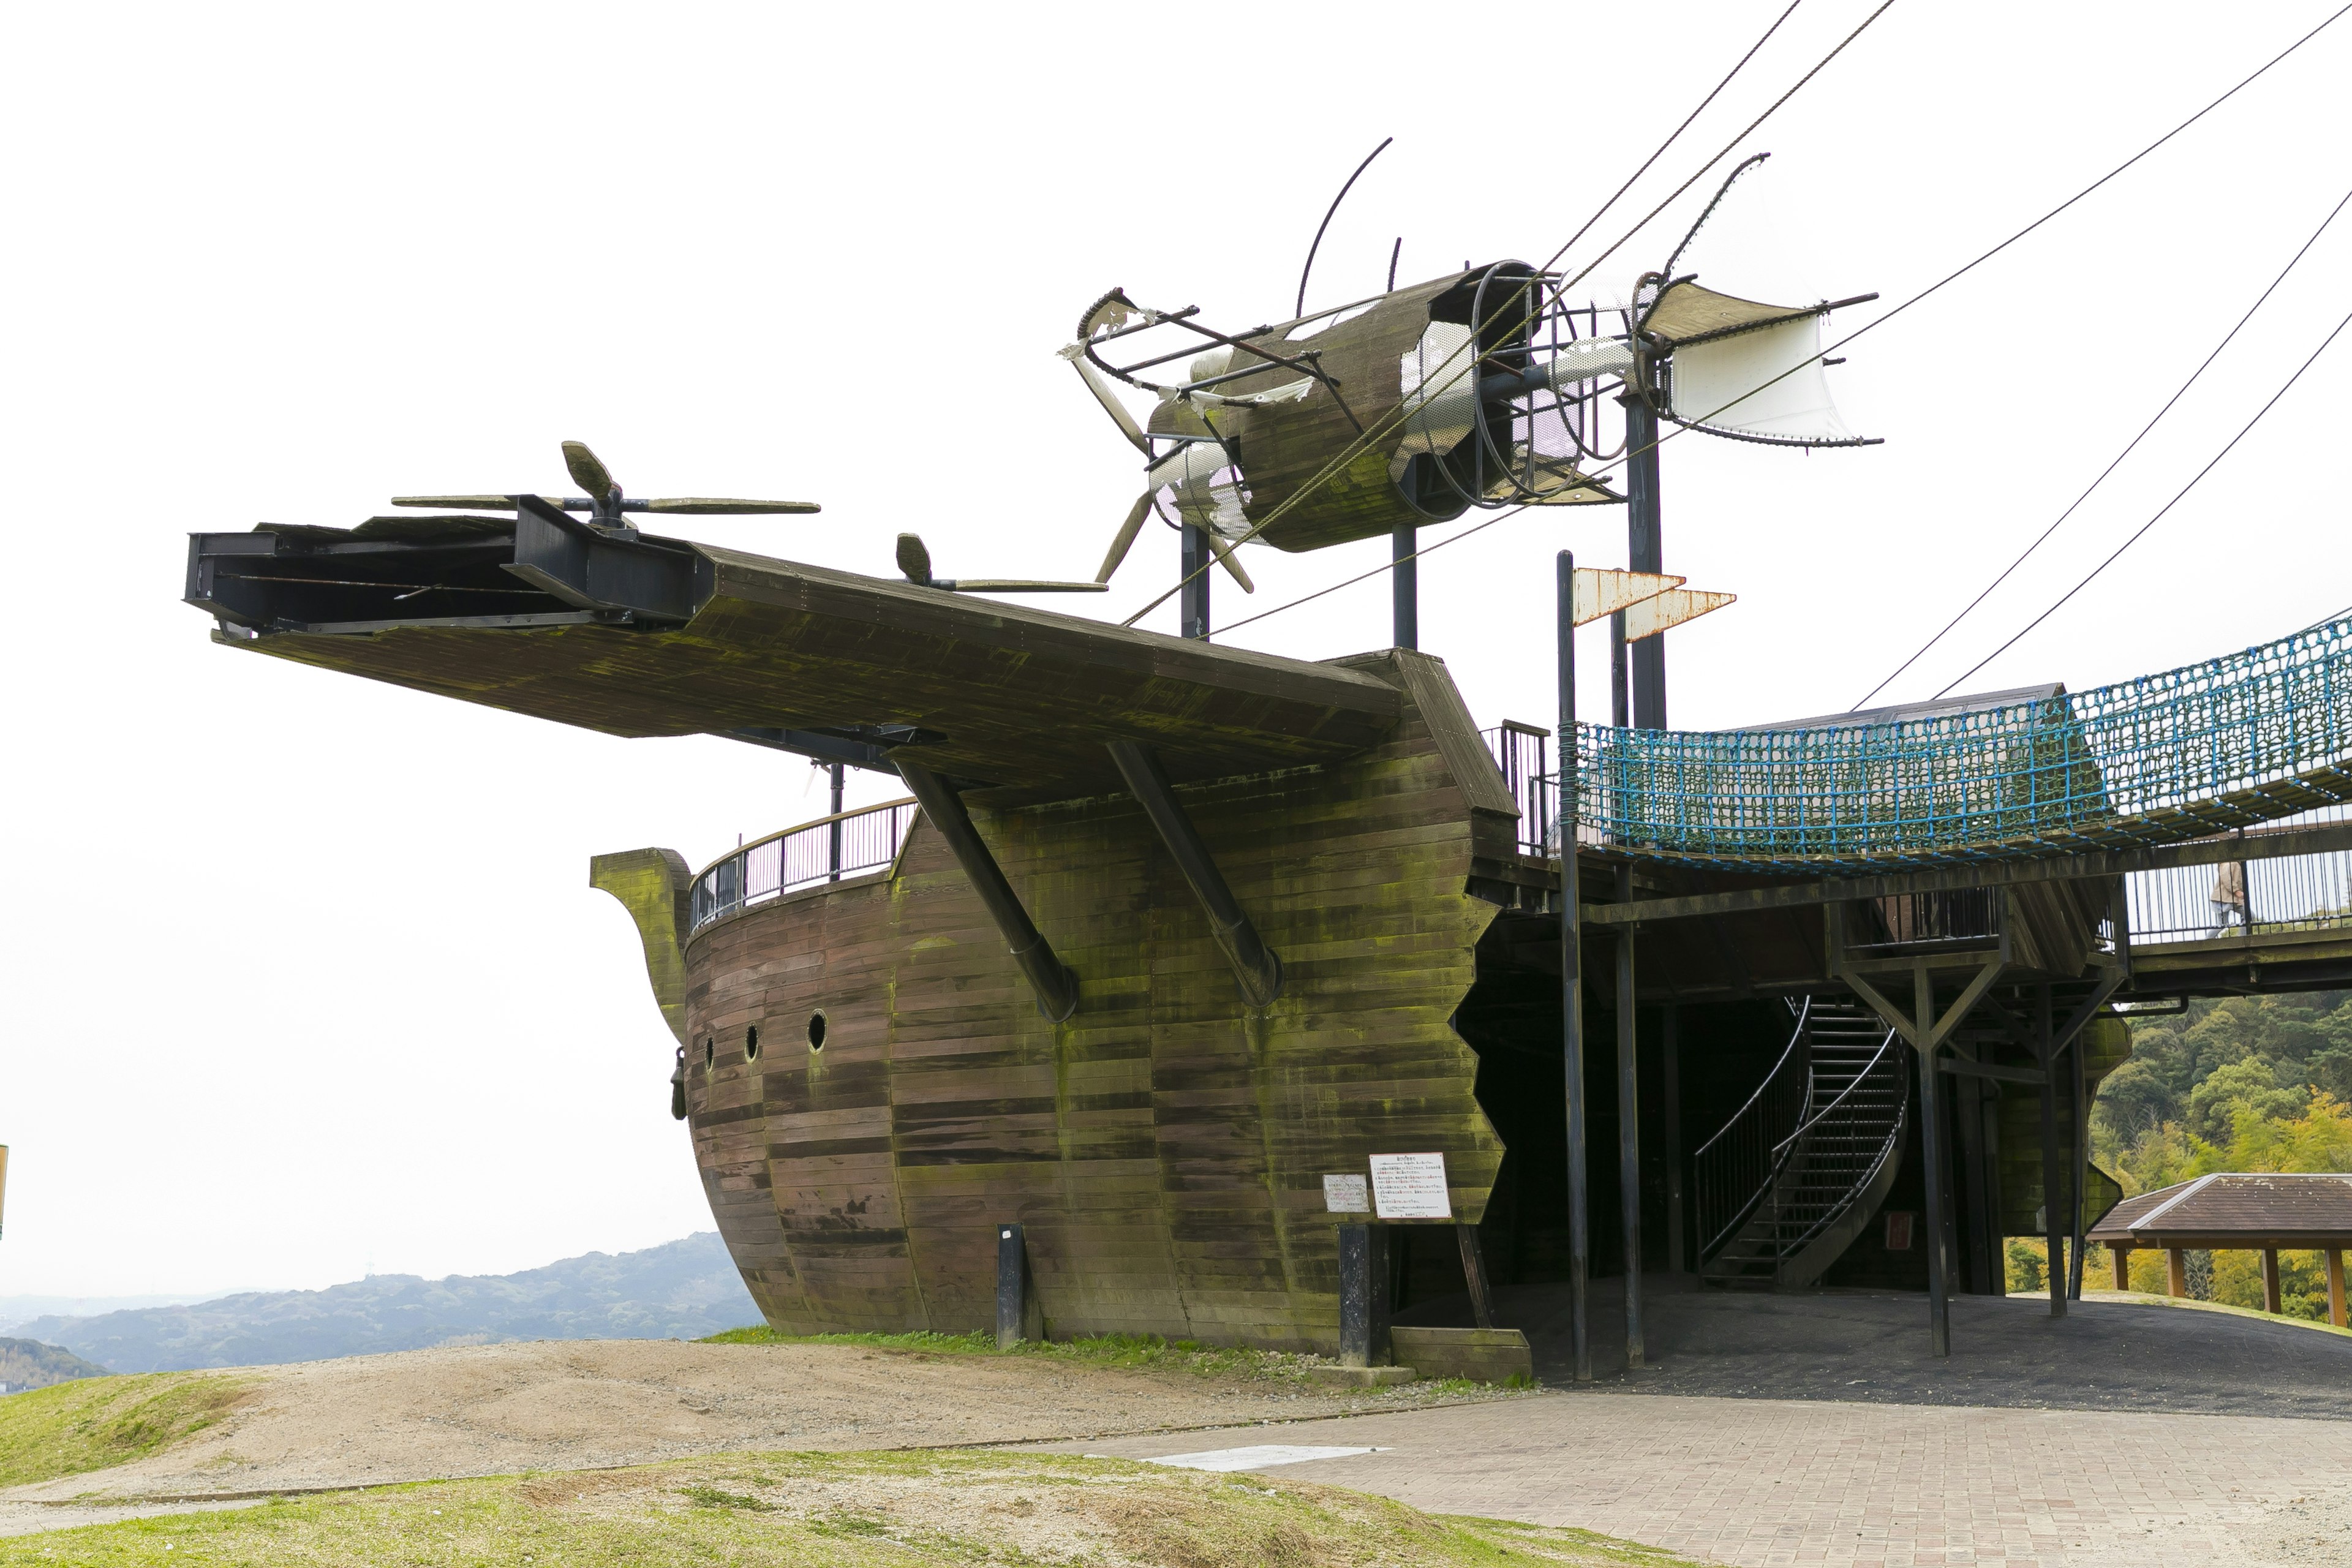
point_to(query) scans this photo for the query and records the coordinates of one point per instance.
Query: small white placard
(1347, 1194)
(1411, 1186)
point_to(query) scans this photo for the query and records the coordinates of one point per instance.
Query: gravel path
(586, 1404)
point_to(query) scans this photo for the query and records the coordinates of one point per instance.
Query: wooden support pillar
(2335, 1306)
(2121, 1257)
(1473, 1276)
(1055, 985)
(1670, 1032)
(1572, 990)
(2176, 1273)
(1628, 1136)
(2270, 1303)
(1986, 1270)
(1257, 969)
(2078, 1169)
(2054, 1207)
(1933, 1161)
(1363, 1295)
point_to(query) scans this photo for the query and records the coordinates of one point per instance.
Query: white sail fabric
(1738, 383)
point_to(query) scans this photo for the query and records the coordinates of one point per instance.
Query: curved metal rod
(1795, 1038)
(1300, 307)
(1861, 1077)
(1887, 1147)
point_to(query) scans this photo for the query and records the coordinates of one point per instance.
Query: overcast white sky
(303, 976)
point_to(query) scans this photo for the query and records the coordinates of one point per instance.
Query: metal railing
(2244, 898)
(1839, 1148)
(2148, 760)
(1958, 917)
(1520, 751)
(825, 850)
(1740, 1166)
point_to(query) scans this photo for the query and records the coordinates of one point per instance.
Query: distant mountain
(28, 1364)
(682, 1290)
(16, 1311)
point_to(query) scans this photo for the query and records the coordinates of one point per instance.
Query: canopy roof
(2233, 1210)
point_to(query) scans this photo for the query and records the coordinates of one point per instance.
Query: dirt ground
(586, 1404)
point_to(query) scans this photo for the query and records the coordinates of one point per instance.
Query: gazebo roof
(2236, 1210)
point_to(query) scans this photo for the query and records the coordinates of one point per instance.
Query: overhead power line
(1397, 417)
(2168, 506)
(2118, 462)
(1870, 326)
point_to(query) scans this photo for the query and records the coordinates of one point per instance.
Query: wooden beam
(1056, 987)
(2061, 868)
(1959, 1067)
(2335, 1306)
(2270, 1302)
(2176, 1273)
(2121, 1257)
(1257, 969)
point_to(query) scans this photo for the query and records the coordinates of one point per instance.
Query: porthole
(816, 1030)
(752, 1043)
(709, 1052)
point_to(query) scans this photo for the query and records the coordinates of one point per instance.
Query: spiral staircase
(1796, 1174)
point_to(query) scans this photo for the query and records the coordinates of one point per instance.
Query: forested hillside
(2247, 1083)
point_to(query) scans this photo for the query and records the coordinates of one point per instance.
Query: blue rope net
(2247, 738)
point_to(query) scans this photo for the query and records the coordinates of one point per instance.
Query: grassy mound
(88, 1424)
(844, 1510)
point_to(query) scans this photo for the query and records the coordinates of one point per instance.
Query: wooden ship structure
(1171, 950)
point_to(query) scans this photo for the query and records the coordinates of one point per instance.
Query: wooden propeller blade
(1225, 557)
(721, 506)
(1127, 532)
(914, 559)
(586, 472)
(456, 504)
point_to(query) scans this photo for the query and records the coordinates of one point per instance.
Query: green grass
(839, 1511)
(91, 1423)
(2093, 1293)
(1140, 1352)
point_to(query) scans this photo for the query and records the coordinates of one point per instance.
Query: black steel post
(1931, 1156)
(1192, 603)
(1629, 1132)
(1571, 989)
(1404, 585)
(1018, 1316)
(1363, 1295)
(2053, 1209)
(1671, 1087)
(1620, 694)
(836, 770)
(1645, 552)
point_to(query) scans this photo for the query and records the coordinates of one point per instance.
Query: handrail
(1817, 1117)
(1751, 1180)
(1802, 1012)
(808, 855)
(1790, 1247)
(804, 827)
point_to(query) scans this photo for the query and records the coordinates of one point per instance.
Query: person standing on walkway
(2229, 898)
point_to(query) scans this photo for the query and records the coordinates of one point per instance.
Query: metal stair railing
(1826, 1139)
(1740, 1166)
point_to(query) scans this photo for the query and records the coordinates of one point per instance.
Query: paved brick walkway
(1760, 1482)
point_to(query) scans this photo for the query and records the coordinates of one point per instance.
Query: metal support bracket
(1257, 969)
(1057, 986)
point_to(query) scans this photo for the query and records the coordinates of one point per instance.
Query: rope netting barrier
(2247, 738)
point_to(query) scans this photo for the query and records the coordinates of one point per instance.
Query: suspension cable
(1869, 326)
(1397, 416)
(2168, 506)
(2040, 538)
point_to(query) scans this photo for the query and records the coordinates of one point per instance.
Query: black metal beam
(1056, 984)
(2062, 866)
(1572, 990)
(1257, 969)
